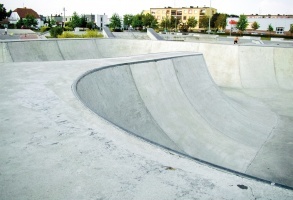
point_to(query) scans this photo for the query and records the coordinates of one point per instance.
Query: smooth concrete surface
(54, 148)
(153, 35)
(229, 65)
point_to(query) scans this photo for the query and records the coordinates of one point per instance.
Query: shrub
(67, 34)
(55, 31)
(44, 29)
(68, 28)
(92, 34)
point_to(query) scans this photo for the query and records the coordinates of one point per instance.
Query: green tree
(52, 22)
(19, 23)
(191, 22)
(90, 25)
(55, 31)
(214, 19)
(204, 22)
(255, 25)
(242, 23)
(30, 20)
(115, 22)
(270, 28)
(83, 21)
(137, 21)
(75, 21)
(149, 20)
(165, 23)
(221, 21)
(3, 12)
(154, 24)
(127, 20)
(175, 22)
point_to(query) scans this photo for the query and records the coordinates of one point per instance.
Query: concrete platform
(53, 147)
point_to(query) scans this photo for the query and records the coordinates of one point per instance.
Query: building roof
(23, 12)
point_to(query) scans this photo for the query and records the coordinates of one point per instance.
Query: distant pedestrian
(236, 40)
(5, 33)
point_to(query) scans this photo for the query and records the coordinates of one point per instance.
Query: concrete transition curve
(176, 101)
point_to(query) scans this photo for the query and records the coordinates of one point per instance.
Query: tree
(149, 20)
(137, 21)
(115, 22)
(127, 20)
(183, 27)
(83, 21)
(30, 21)
(191, 22)
(3, 13)
(270, 28)
(165, 24)
(221, 21)
(242, 23)
(255, 25)
(204, 22)
(214, 19)
(75, 21)
(175, 22)
(90, 25)
(55, 31)
(19, 23)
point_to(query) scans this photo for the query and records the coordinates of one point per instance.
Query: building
(21, 13)
(102, 20)
(182, 13)
(280, 23)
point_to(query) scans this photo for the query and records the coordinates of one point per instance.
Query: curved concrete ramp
(174, 102)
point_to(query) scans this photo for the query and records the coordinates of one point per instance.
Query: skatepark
(144, 119)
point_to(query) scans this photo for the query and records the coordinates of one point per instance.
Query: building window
(280, 30)
(179, 12)
(195, 11)
(184, 17)
(189, 11)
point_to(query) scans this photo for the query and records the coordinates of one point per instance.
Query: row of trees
(141, 21)
(138, 21)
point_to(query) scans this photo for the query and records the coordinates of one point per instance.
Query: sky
(109, 7)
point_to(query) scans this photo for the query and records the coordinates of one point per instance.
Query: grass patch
(87, 34)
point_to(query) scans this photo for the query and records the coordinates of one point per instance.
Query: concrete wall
(230, 65)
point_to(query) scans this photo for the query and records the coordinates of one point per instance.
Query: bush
(67, 34)
(55, 31)
(92, 34)
(68, 28)
(44, 29)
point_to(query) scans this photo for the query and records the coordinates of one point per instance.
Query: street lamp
(210, 18)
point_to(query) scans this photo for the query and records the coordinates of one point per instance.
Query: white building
(102, 20)
(21, 13)
(280, 24)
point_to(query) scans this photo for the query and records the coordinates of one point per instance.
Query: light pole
(64, 17)
(210, 18)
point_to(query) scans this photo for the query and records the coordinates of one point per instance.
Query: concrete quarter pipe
(175, 103)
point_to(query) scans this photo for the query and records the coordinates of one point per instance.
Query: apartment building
(182, 13)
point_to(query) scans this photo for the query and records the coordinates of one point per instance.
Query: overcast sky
(136, 6)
